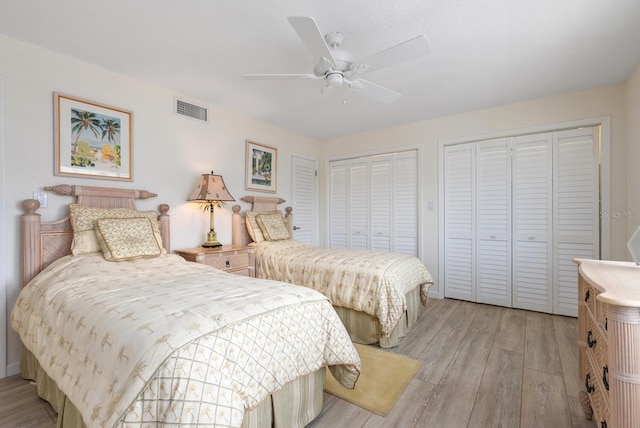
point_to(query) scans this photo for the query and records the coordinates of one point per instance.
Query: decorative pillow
(127, 238)
(252, 224)
(273, 227)
(83, 221)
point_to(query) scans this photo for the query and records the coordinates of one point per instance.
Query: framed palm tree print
(261, 167)
(91, 140)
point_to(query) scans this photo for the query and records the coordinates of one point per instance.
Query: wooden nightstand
(237, 259)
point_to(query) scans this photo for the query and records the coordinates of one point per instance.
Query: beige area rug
(383, 378)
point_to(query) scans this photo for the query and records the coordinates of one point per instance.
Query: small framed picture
(261, 167)
(91, 140)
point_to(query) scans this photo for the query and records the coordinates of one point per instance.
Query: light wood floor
(483, 366)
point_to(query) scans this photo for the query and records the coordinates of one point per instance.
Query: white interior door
(576, 211)
(405, 204)
(532, 225)
(459, 222)
(338, 206)
(359, 204)
(380, 177)
(493, 222)
(304, 199)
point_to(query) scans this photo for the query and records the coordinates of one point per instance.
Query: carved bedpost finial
(30, 206)
(164, 209)
(236, 209)
(144, 194)
(288, 210)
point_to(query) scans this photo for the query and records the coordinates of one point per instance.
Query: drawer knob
(227, 263)
(590, 388)
(605, 375)
(591, 342)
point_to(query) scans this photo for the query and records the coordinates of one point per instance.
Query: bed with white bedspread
(378, 295)
(157, 340)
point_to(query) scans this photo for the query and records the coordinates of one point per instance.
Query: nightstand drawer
(236, 259)
(227, 261)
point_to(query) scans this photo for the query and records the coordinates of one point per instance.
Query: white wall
(633, 150)
(3, 245)
(607, 101)
(170, 152)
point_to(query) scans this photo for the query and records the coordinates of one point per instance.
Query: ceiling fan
(339, 67)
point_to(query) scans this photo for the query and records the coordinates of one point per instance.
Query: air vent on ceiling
(188, 109)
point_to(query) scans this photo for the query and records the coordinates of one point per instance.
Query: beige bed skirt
(364, 328)
(295, 405)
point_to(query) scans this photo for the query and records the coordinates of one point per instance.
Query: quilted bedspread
(166, 341)
(374, 282)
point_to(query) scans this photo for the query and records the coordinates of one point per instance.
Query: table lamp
(212, 191)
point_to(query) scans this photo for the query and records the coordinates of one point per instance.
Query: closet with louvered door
(478, 222)
(517, 211)
(373, 203)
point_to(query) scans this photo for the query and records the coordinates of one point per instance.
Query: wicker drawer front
(597, 344)
(228, 261)
(589, 295)
(597, 394)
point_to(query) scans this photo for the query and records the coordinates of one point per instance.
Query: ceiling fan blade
(405, 51)
(374, 91)
(281, 76)
(310, 34)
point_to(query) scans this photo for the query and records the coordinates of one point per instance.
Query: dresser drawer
(597, 394)
(227, 261)
(589, 294)
(236, 259)
(596, 343)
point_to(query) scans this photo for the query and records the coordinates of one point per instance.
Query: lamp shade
(211, 187)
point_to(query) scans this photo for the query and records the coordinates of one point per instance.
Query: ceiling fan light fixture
(334, 79)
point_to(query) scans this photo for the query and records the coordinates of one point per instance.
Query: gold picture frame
(261, 167)
(91, 140)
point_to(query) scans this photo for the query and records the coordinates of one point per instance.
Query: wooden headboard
(239, 234)
(45, 242)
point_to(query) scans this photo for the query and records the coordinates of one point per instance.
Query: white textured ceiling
(484, 53)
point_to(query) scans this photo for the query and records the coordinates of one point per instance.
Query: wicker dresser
(609, 341)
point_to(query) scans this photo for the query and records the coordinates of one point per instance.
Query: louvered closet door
(459, 203)
(358, 198)
(493, 222)
(576, 211)
(381, 179)
(303, 199)
(532, 226)
(405, 203)
(338, 204)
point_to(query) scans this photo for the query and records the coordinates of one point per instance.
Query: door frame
(605, 177)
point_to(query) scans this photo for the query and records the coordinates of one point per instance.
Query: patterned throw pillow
(252, 225)
(83, 221)
(273, 227)
(127, 238)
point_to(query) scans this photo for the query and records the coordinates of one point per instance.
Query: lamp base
(212, 240)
